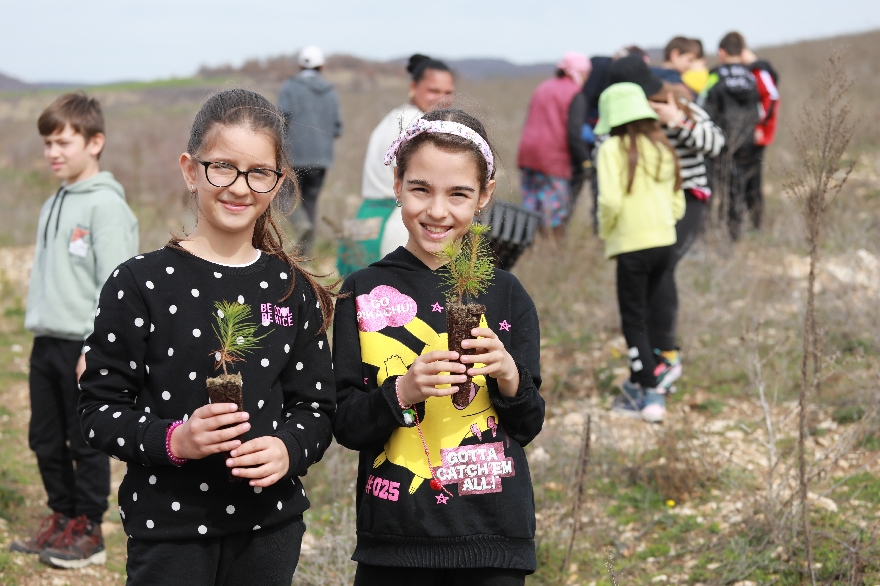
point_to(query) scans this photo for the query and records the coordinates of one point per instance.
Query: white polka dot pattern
(175, 506)
(169, 270)
(138, 322)
(202, 529)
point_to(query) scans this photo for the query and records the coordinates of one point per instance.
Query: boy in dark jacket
(311, 109)
(731, 100)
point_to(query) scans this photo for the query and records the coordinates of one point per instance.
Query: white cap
(311, 57)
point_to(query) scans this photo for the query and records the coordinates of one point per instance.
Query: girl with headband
(444, 494)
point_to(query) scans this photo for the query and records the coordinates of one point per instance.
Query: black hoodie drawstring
(49, 217)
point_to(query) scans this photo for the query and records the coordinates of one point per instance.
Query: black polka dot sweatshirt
(146, 365)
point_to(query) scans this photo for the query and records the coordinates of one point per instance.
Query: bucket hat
(622, 103)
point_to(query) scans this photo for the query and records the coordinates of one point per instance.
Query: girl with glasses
(212, 494)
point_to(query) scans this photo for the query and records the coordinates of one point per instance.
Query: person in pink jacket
(551, 144)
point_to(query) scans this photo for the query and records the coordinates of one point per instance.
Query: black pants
(267, 557)
(745, 190)
(663, 305)
(368, 575)
(639, 275)
(310, 180)
(76, 477)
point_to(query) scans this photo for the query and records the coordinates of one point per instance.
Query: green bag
(362, 236)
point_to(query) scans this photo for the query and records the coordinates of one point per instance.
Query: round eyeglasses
(258, 180)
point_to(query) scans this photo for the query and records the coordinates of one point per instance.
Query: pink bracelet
(174, 459)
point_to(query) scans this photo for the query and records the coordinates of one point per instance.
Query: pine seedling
(235, 333)
(469, 264)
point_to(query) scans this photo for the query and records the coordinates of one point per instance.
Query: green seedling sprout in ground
(235, 332)
(469, 264)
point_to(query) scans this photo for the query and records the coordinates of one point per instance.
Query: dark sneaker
(630, 402)
(654, 407)
(50, 530)
(81, 544)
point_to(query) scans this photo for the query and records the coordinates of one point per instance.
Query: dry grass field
(709, 497)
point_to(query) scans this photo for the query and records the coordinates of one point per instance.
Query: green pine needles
(469, 264)
(235, 332)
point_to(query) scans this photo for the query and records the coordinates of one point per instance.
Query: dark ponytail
(419, 64)
(244, 108)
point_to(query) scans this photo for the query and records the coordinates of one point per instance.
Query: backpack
(765, 77)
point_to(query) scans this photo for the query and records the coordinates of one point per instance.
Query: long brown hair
(240, 107)
(651, 130)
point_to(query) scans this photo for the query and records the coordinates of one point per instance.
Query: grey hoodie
(84, 232)
(311, 109)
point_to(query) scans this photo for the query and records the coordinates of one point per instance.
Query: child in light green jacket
(640, 200)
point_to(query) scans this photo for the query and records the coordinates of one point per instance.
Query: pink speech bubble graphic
(384, 306)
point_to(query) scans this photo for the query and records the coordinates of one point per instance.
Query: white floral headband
(445, 127)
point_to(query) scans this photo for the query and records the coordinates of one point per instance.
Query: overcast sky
(107, 40)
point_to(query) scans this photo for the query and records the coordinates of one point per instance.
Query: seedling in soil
(469, 267)
(236, 334)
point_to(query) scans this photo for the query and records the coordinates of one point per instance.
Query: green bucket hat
(621, 103)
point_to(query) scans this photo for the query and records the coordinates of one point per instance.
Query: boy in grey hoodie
(311, 110)
(85, 230)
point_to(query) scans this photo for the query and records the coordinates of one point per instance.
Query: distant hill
(477, 68)
(10, 84)
(283, 66)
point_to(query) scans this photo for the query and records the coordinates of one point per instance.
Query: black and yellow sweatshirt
(146, 365)
(394, 313)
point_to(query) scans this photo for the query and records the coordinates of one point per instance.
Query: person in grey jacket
(85, 231)
(311, 109)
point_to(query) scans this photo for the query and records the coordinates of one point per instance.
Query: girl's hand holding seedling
(266, 459)
(498, 362)
(200, 436)
(421, 380)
